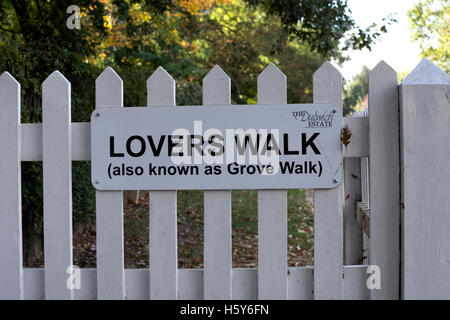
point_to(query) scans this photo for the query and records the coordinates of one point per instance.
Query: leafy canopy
(430, 25)
(356, 92)
(324, 25)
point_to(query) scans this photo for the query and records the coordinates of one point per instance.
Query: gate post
(425, 182)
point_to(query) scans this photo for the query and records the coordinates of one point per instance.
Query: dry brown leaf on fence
(346, 134)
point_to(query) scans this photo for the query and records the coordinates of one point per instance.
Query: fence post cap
(426, 72)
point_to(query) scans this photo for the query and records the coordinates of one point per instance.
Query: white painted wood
(31, 141)
(359, 141)
(301, 283)
(57, 177)
(328, 204)
(354, 284)
(31, 138)
(190, 284)
(384, 179)
(110, 243)
(11, 270)
(217, 256)
(425, 176)
(272, 207)
(352, 194)
(163, 208)
(245, 283)
(81, 141)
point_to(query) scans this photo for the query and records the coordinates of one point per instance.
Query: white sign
(216, 147)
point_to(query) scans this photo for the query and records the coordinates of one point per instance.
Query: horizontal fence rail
(244, 284)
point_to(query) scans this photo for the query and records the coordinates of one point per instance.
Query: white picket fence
(337, 272)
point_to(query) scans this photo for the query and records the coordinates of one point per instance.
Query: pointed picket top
(56, 78)
(272, 72)
(426, 72)
(160, 74)
(327, 85)
(56, 90)
(216, 73)
(9, 86)
(216, 87)
(272, 85)
(108, 89)
(160, 88)
(7, 79)
(380, 74)
(327, 70)
(383, 67)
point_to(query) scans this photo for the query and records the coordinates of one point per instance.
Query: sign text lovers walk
(216, 147)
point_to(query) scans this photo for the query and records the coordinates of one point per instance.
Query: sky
(395, 47)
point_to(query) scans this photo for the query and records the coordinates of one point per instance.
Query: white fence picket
(384, 181)
(217, 207)
(109, 213)
(163, 208)
(272, 207)
(11, 270)
(328, 209)
(57, 175)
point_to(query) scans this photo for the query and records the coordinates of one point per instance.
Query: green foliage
(189, 93)
(35, 42)
(323, 24)
(244, 40)
(430, 25)
(355, 92)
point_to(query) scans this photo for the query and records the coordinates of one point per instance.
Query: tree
(430, 25)
(35, 41)
(323, 24)
(244, 40)
(356, 91)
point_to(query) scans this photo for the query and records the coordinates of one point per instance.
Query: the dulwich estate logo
(316, 120)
